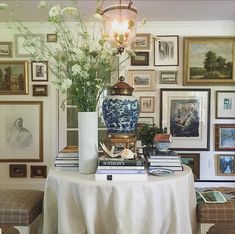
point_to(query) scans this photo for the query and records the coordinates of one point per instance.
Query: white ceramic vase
(88, 142)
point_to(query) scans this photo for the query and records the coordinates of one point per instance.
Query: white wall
(50, 117)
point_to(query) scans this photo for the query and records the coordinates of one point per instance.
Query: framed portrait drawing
(14, 78)
(141, 59)
(224, 137)
(5, 49)
(147, 104)
(186, 114)
(209, 61)
(51, 37)
(142, 80)
(166, 50)
(193, 161)
(168, 77)
(21, 48)
(141, 42)
(225, 104)
(39, 71)
(225, 164)
(21, 138)
(18, 170)
(38, 171)
(40, 90)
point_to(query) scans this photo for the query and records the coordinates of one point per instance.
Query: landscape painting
(209, 61)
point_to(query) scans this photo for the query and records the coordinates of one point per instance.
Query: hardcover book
(210, 197)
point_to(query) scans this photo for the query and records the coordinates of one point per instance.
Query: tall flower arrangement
(82, 60)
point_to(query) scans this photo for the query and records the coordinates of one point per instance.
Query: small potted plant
(146, 134)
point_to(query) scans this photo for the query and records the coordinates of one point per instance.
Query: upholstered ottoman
(19, 208)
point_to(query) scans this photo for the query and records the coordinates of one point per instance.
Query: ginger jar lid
(122, 88)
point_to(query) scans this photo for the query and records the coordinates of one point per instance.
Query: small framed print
(39, 71)
(142, 80)
(224, 137)
(145, 120)
(141, 42)
(168, 77)
(193, 161)
(166, 50)
(225, 164)
(147, 104)
(40, 90)
(38, 171)
(51, 37)
(18, 170)
(225, 104)
(141, 59)
(6, 49)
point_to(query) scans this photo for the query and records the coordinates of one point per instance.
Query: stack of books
(67, 159)
(121, 169)
(167, 159)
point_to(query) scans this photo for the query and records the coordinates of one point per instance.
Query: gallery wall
(50, 105)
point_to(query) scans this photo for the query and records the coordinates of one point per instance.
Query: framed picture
(21, 138)
(166, 50)
(6, 49)
(168, 77)
(141, 42)
(18, 170)
(40, 90)
(186, 114)
(145, 120)
(38, 171)
(142, 80)
(147, 104)
(224, 137)
(14, 78)
(51, 37)
(141, 59)
(39, 71)
(21, 48)
(225, 105)
(209, 60)
(193, 161)
(225, 164)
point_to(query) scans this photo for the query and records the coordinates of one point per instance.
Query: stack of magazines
(67, 159)
(120, 169)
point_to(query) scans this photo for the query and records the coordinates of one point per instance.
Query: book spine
(62, 154)
(121, 167)
(124, 171)
(164, 160)
(165, 164)
(164, 157)
(174, 168)
(65, 164)
(120, 163)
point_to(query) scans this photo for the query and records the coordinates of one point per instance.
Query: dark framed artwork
(225, 164)
(5, 49)
(38, 171)
(141, 59)
(141, 41)
(39, 71)
(193, 161)
(224, 137)
(186, 115)
(209, 61)
(40, 90)
(166, 50)
(14, 78)
(18, 170)
(225, 104)
(21, 131)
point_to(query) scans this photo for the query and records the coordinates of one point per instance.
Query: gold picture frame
(225, 164)
(14, 76)
(141, 41)
(209, 61)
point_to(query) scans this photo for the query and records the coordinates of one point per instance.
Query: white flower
(98, 16)
(42, 4)
(3, 6)
(66, 83)
(70, 11)
(76, 69)
(55, 11)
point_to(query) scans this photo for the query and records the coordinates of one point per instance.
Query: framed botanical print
(168, 77)
(186, 114)
(225, 104)
(14, 77)
(209, 61)
(141, 42)
(224, 137)
(5, 49)
(21, 128)
(166, 50)
(142, 80)
(147, 104)
(141, 59)
(40, 90)
(39, 71)
(225, 164)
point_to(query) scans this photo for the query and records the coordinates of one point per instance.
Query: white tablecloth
(75, 203)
